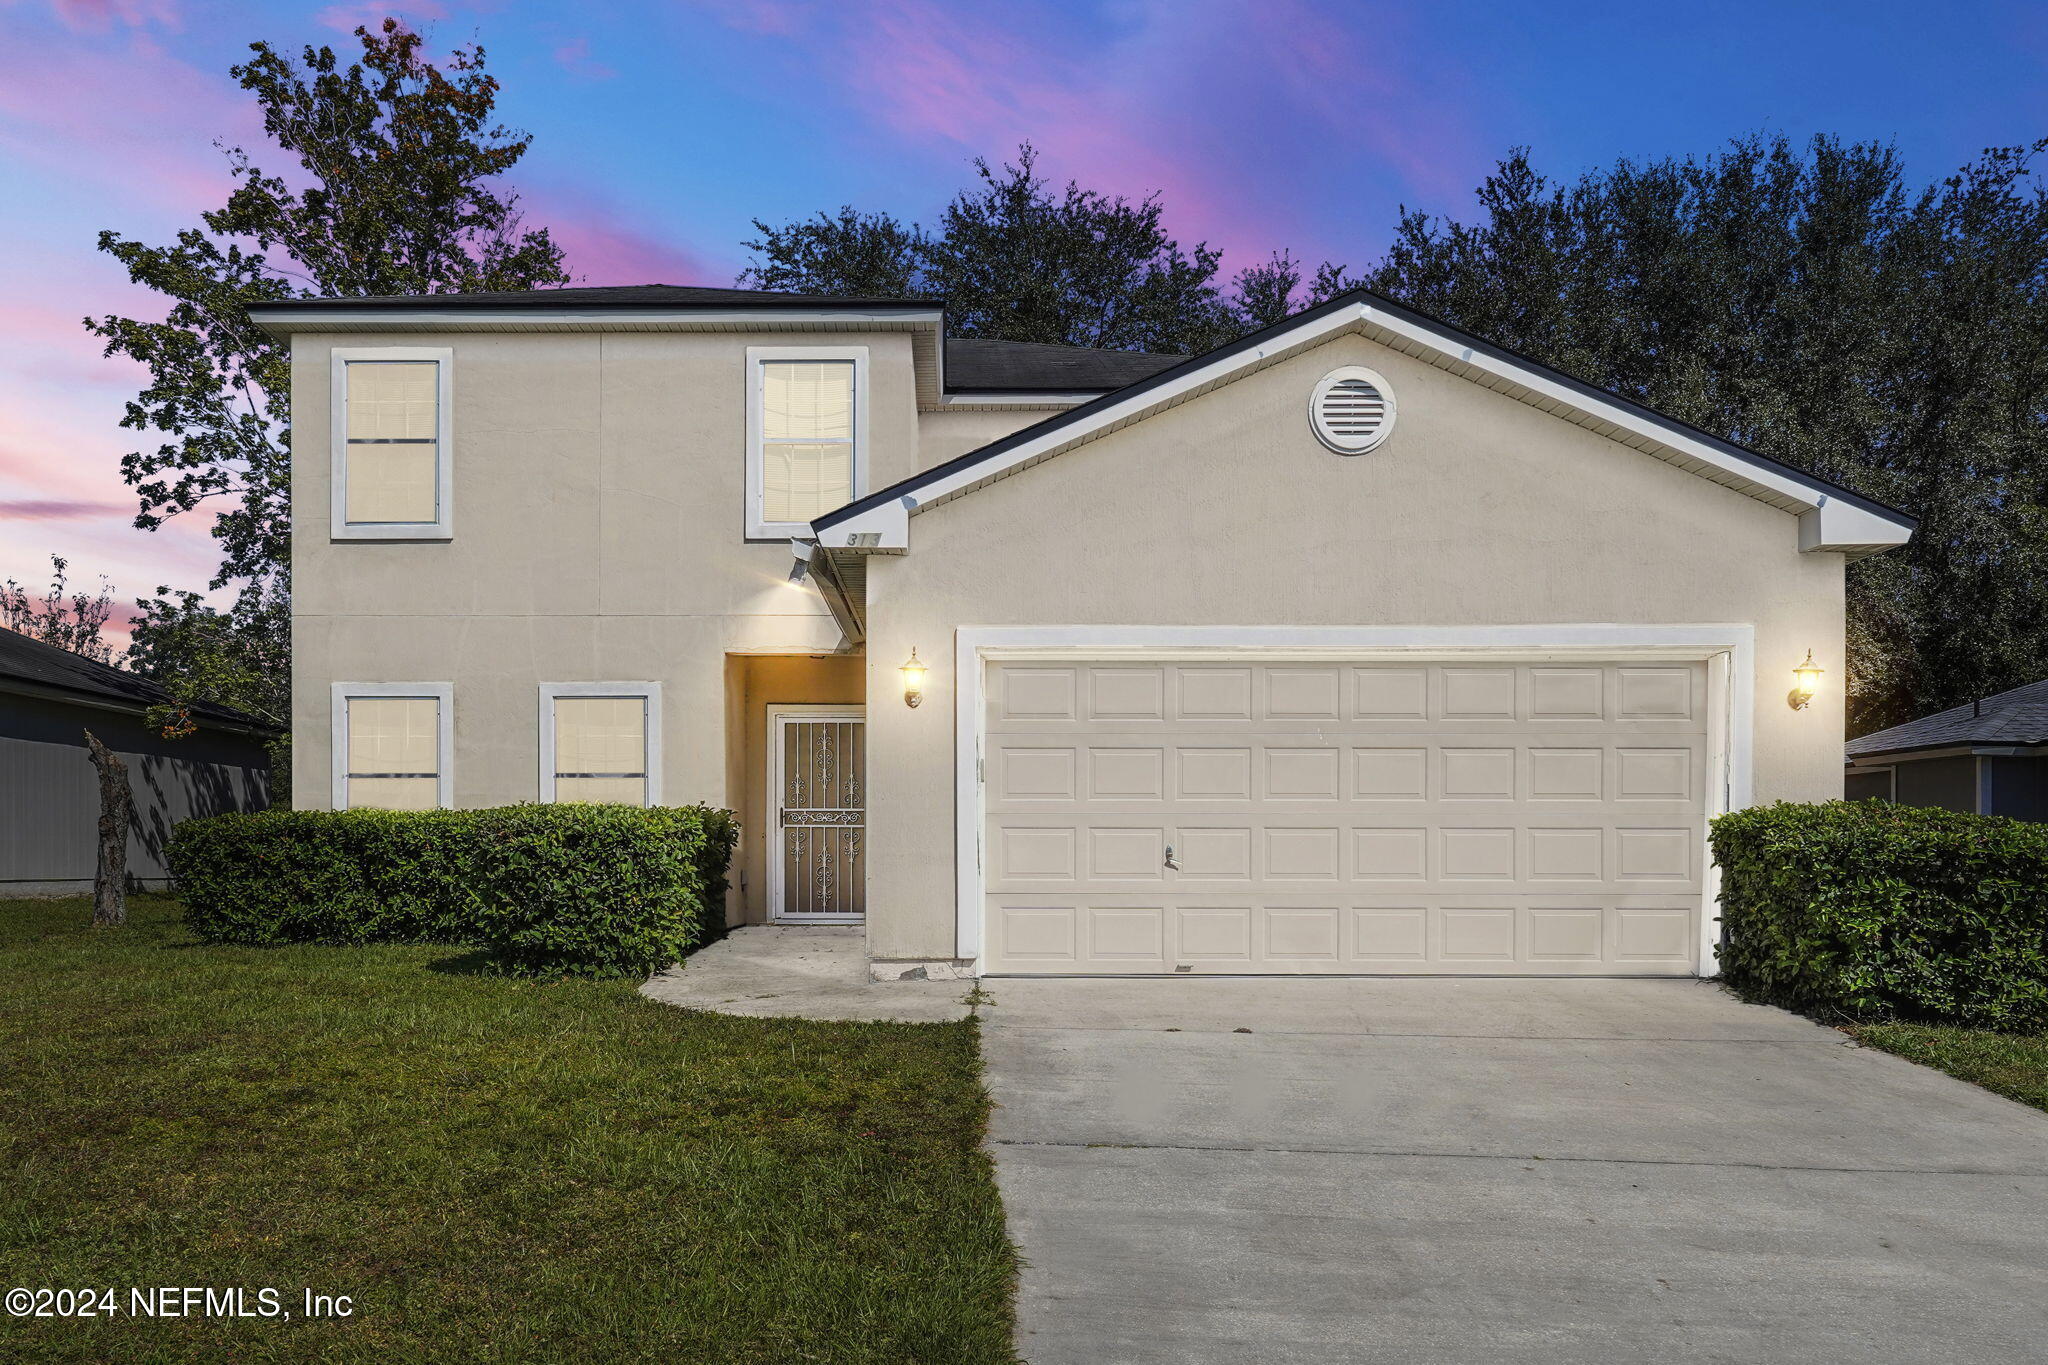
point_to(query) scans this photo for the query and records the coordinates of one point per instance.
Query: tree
(110, 873)
(1016, 260)
(69, 620)
(397, 172)
(1805, 303)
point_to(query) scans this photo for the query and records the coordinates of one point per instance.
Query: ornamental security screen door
(817, 793)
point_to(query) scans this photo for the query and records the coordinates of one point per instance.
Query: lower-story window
(391, 745)
(601, 742)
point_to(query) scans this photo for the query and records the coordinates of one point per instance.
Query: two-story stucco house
(1358, 645)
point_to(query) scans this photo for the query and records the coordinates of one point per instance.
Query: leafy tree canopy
(393, 191)
(1806, 303)
(1018, 260)
(63, 616)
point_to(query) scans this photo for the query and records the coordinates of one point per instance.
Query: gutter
(43, 692)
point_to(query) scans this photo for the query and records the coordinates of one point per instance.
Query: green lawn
(491, 1170)
(2014, 1065)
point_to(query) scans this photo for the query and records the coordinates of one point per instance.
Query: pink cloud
(574, 58)
(371, 14)
(774, 17)
(98, 16)
(599, 248)
(48, 509)
(1184, 99)
(130, 118)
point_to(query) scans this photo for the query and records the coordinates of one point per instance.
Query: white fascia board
(885, 528)
(491, 319)
(998, 400)
(1839, 526)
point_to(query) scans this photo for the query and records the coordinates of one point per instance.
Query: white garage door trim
(1728, 650)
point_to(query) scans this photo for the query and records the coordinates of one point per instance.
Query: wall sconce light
(913, 679)
(1808, 682)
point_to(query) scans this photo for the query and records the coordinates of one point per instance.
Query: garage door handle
(1171, 865)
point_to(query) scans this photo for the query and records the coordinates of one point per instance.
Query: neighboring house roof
(31, 666)
(1831, 517)
(982, 365)
(2008, 720)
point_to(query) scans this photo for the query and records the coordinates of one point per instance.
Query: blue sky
(660, 130)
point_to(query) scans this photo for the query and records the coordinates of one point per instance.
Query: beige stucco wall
(598, 536)
(1227, 511)
(955, 431)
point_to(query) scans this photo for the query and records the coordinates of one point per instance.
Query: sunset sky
(661, 129)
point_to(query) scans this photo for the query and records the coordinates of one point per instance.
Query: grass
(2013, 1065)
(491, 1170)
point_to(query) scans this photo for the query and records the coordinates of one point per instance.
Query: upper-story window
(806, 434)
(391, 443)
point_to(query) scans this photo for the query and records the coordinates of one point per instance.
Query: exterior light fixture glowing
(1808, 682)
(913, 679)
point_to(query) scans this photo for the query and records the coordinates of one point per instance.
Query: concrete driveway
(1423, 1170)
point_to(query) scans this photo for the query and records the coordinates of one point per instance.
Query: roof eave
(132, 706)
(1961, 748)
(925, 323)
(1832, 518)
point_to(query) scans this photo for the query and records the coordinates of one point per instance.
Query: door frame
(1728, 650)
(771, 792)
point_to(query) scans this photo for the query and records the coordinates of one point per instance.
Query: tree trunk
(110, 882)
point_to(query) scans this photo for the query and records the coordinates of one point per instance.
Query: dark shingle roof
(599, 296)
(46, 668)
(2010, 718)
(1033, 366)
(984, 366)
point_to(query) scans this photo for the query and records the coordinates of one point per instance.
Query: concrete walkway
(808, 971)
(1252, 1172)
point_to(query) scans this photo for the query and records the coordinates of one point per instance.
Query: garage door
(1533, 818)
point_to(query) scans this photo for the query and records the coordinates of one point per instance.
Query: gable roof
(976, 366)
(983, 365)
(32, 666)
(2015, 718)
(1831, 517)
(624, 296)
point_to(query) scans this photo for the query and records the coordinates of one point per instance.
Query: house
(1357, 645)
(49, 789)
(1988, 758)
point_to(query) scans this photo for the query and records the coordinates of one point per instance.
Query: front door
(817, 794)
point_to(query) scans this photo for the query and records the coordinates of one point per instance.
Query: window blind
(601, 749)
(394, 753)
(393, 425)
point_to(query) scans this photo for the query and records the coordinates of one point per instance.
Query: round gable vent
(1352, 410)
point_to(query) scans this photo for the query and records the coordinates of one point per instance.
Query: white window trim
(1728, 649)
(757, 529)
(443, 526)
(444, 744)
(550, 692)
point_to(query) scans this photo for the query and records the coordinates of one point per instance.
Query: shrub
(600, 890)
(1865, 908)
(549, 890)
(303, 876)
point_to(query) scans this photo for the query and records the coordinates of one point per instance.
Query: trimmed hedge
(1869, 909)
(552, 890)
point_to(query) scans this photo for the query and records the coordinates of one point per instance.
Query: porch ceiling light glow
(913, 679)
(1807, 682)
